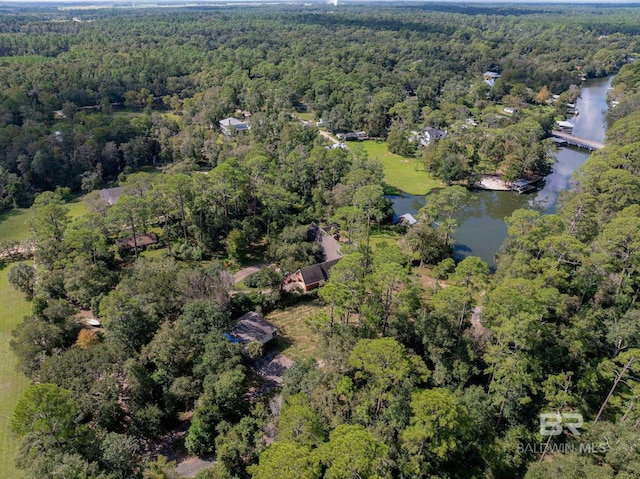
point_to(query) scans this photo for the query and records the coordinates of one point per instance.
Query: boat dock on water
(496, 183)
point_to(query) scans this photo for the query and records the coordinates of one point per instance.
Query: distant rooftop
(232, 122)
(407, 218)
(565, 124)
(110, 195)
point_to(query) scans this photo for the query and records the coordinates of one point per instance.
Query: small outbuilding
(252, 327)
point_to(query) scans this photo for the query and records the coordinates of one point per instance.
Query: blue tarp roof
(231, 339)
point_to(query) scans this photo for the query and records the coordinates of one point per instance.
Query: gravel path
(244, 272)
(190, 467)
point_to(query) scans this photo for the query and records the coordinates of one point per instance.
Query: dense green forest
(357, 69)
(440, 371)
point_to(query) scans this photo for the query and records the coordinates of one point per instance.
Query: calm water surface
(482, 228)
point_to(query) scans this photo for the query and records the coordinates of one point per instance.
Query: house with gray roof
(253, 327)
(110, 195)
(490, 77)
(230, 126)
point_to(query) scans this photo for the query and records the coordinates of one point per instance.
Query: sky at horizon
(183, 2)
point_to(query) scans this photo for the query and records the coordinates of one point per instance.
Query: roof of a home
(491, 74)
(408, 218)
(252, 327)
(141, 240)
(233, 122)
(521, 182)
(110, 195)
(317, 272)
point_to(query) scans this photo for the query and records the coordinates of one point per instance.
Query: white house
(566, 126)
(490, 77)
(430, 135)
(230, 126)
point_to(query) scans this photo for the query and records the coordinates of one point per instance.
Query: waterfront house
(407, 219)
(565, 126)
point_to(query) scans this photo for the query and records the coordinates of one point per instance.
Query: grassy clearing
(12, 383)
(296, 338)
(307, 116)
(13, 227)
(13, 224)
(154, 253)
(387, 236)
(400, 174)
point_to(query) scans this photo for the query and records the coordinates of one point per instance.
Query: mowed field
(13, 308)
(401, 175)
(13, 224)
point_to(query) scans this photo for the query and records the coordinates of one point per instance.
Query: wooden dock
(577, 141)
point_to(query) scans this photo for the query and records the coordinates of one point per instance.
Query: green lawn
(13, 308)
(401, 175)
(13, 224)
(12, 384)
(385, 236)
(307, 116)
(154, 253)
(296, 338)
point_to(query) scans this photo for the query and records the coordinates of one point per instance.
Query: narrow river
(482, 228)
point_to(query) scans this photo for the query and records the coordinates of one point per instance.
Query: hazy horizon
(198, 2)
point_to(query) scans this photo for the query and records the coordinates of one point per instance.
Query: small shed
(253, 327)
(315, 275)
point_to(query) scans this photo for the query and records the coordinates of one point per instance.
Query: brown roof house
(315, 275)
(143, 240)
